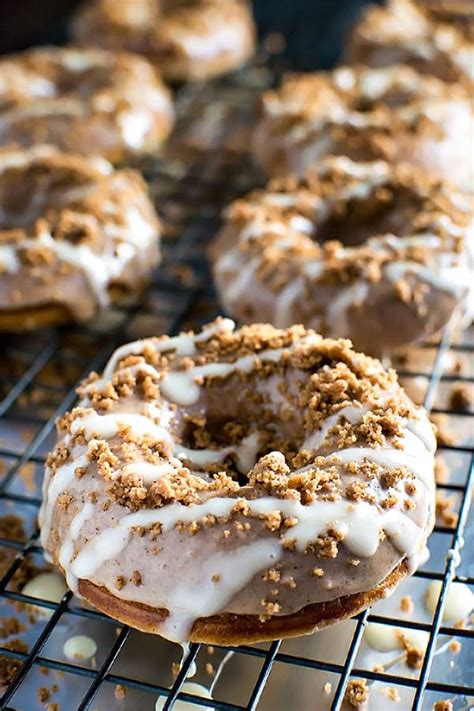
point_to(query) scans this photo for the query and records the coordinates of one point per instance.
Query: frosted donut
(91, 102)
(393, 114)
(75, 236)
(403, 33)
(235, 486)
(188, 40)
(381, 255)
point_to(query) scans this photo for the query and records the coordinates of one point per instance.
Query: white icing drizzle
(182, 345)
(351, 413)
(187, 688)
(66, 552)
(285, 302)
(55, 486)
(235, 568)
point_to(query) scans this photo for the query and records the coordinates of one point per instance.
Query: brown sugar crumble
(445, 512)
(443, 706)
(455, 646)
(391, 692)
(443, 434)
(357, 693)
(461, 398)
(413, 655)
(120, 692)
(9, 667)
(406, 604)
(136, 578)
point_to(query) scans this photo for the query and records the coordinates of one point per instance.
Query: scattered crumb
(460, 397)
(407, 604)
(9, 667)
(391, 693)
(120, 692)
(327, 687)
(442, 706)
(443, 434)
(445, 510)
(209, 669)
(378, 669)
(175, 667)
(455, 646)
(414, 657)
(357, 693)
(441, 471)
(43, 694)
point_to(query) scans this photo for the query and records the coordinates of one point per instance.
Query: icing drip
(66, 552)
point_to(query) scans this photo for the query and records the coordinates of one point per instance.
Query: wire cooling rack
(205, 166)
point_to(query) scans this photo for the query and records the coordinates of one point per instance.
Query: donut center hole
(247, 432)
(27, 194)
(384, 211)
(393, 98)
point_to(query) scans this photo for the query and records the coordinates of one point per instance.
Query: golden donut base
(32, 318)
(233, 629)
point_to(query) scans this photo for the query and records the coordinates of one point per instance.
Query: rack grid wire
(205, 165)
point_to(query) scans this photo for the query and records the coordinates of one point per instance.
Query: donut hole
(384, 211)
(25, 195)
(84, 83)
(228, 416)
(393, 98)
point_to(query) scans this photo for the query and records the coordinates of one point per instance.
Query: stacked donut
(282, 474)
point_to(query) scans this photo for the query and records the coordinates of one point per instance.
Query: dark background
(314, 29)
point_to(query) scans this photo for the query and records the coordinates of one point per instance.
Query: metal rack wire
(38, 375)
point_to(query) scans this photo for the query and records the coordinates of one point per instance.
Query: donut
(234, 486)
(188, 40)
(91, 102)
(455, 12)
(75, 236)
(392, 114)
(403, 33)
(376, 253)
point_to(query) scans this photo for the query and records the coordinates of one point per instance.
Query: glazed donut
(237, 486)
(188, 40)
(393, 114)
(75, 236)
(91, 102)
(378, 254)
(402, 33)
